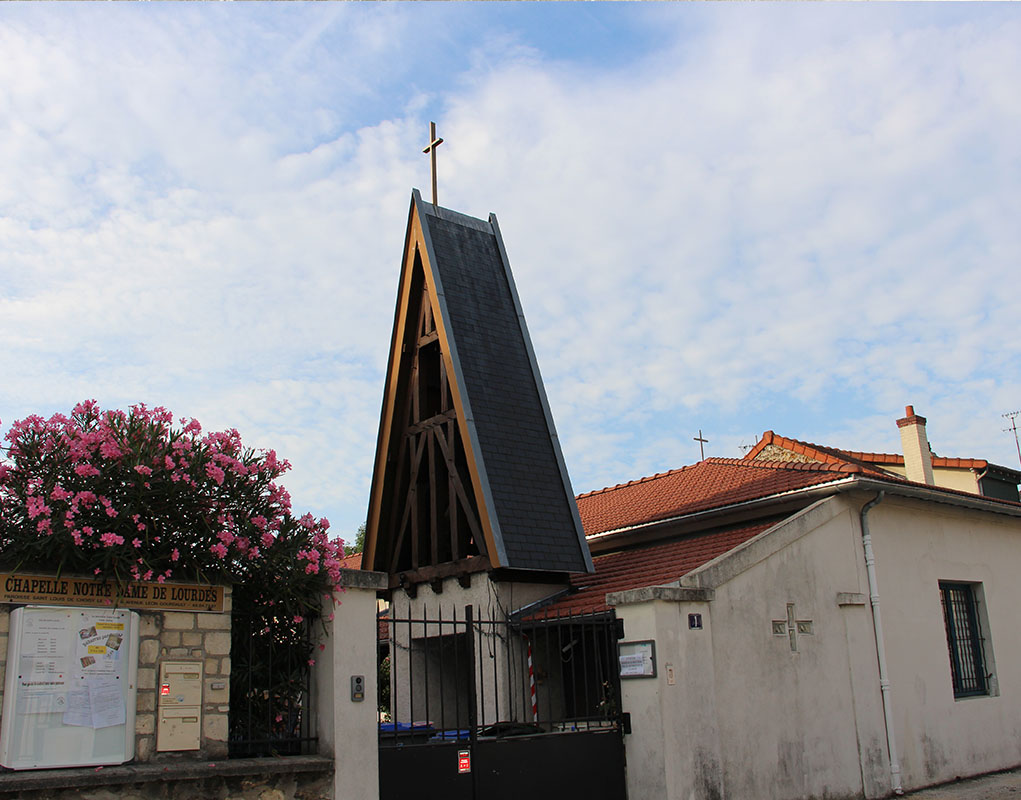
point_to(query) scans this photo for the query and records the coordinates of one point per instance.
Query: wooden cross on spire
(434, 142)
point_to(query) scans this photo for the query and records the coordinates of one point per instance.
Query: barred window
(964, 639)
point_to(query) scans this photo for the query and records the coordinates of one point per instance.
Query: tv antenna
(1012, 416)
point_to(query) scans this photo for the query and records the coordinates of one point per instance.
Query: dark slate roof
(535, 519)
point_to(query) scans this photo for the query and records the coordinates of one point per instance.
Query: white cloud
(789, 219)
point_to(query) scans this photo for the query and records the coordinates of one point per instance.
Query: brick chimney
(915, 443)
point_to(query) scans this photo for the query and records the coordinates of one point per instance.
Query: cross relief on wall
(791, 627)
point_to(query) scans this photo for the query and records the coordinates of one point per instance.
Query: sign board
(637, 659)
(69, 692)
(47, 590)
(464, 761)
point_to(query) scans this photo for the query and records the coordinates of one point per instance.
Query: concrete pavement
(1000, 786)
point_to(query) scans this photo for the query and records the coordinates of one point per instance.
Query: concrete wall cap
(668, 594)
(362, 579)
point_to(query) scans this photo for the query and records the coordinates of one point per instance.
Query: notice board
(69, 693)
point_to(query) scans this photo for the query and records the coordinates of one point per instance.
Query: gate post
(348, 729)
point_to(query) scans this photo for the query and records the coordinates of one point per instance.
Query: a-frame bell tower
(469, 475)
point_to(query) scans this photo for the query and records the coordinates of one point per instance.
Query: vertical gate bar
(550, 664)
(480, 675)
(269, 682)
(425, 657)
(472, 699)
(614, 664)
(574, 678)
(511, 683)
(495, 639)
(443, 672)
(411, 669)
(251, 650)
(457, 675)
(585, 670)
(391, 632)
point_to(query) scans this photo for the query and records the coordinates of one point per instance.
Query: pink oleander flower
(175, 555)
(298, 619)
(110, 539)
(141, 470)
(219, 550)
(136, 543)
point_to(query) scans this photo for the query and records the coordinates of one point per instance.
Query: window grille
(964, 639)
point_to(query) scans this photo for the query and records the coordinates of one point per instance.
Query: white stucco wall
(772, 723)
(917, 546)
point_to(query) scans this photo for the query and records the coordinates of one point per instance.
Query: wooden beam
(452, 569)
(433, 422)
(434, 533)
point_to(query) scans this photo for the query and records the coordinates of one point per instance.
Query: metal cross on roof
(701, 443)
(434, 142)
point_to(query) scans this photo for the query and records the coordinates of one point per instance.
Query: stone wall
(184, 636)
(293, 778)
(5, 629)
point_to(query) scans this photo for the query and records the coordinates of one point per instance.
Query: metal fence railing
(271, 701)
(455, 676)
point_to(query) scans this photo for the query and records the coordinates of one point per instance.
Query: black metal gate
(484, 709)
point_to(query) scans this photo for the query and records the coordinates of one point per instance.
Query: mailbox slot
(179, 702)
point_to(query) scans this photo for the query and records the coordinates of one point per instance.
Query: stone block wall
(184, 636)
(5, 630)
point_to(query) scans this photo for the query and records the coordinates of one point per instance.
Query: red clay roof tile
(712, 483)
(658, 564)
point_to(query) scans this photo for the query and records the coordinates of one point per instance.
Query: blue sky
(722, 217)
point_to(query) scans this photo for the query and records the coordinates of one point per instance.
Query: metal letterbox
(179, 703)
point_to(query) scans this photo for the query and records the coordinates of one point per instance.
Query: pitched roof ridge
(799, 466)
(637, 481)
(869, 458)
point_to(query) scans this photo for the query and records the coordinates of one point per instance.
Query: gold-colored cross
(434, 142)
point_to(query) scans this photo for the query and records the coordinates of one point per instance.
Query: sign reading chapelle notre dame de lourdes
(51, 591)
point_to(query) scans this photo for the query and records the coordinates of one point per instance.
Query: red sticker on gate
(464, 761)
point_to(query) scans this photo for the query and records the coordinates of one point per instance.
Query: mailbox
(179, 703)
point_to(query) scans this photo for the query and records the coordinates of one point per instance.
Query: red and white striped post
(531, 682)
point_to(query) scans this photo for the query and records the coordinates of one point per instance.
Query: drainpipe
(877, 625)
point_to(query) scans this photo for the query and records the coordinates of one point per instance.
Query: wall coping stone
(669, 594)
(362, 579)
(150, 772)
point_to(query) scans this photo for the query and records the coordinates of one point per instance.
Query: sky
(720, 217)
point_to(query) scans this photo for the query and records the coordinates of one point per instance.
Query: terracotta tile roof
(649, 566)
(351, 561)
(867, 461)
(712, 483)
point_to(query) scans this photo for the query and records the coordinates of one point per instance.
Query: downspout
(877, 625)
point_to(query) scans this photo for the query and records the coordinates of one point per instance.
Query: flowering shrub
(127, 496)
